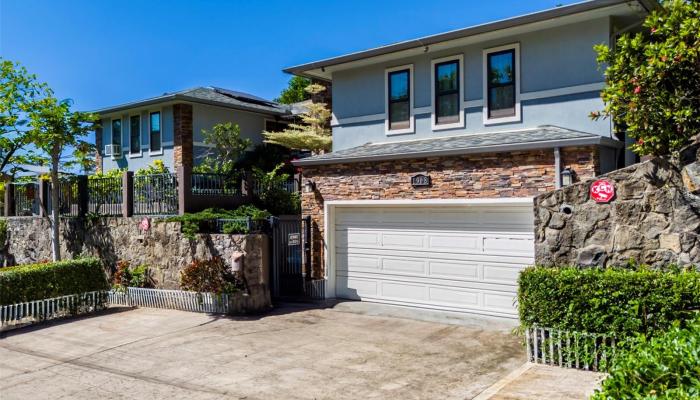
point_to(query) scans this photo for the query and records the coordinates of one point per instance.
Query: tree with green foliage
(313, 133)
(295, 91)
(19, 91)
(55, 129)
(653, 80)
(227, 147)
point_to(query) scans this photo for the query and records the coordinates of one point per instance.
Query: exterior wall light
(309, 186)
(567, 176)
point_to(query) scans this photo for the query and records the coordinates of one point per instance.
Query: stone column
(128, 194)
(182, 122)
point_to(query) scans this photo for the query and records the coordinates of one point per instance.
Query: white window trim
(518, 115)
(411, 96)
(150, 151)
(121, 139)
(140, 153)
(460, 123)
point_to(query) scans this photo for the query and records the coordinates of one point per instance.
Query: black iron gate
(290, 252)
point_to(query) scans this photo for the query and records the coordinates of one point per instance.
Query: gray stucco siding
(570, 111)
(555, 58)
(205, 117)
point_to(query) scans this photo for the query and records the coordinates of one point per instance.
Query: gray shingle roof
(210, 95)
(546, 136)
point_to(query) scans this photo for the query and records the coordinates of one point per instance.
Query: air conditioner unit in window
(113, 150)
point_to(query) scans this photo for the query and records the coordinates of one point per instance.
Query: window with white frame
(116, 135)
(447, 93)
(155, 131)
(135, 134)
(502, 84)
(399, 100)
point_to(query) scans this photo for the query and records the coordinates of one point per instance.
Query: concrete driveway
(293, 353)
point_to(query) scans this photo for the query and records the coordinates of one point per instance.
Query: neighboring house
(441, 143)
(169, 127)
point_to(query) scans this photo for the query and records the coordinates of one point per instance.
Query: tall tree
(295, 91)
(227, 146)
(56, 129)
(313, 133)
(653, 79)
(19, 90)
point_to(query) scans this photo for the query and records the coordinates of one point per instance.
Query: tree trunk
(55, 208)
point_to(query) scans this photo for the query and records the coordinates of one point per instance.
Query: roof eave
(548, 144)
(303, 69)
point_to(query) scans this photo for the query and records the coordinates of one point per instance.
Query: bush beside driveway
(291, 354)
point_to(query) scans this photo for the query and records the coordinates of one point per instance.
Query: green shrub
(205, 221)
(616, 302)
(209, 276)
(128, 276)
(41, 281)
(272, 195)
(663, 368)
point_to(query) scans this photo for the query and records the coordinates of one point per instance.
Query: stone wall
(654, 219)
(162, 247)
(513, 174)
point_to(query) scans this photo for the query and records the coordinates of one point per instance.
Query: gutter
(548, 144)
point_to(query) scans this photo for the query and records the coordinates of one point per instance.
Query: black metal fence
(155, 194)
(105, 196)
(68, 197)
(26, 198)
(216, 185)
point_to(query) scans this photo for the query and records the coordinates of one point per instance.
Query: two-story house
(169, 127)
(439, 146)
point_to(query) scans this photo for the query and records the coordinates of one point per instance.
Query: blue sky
(103, 52)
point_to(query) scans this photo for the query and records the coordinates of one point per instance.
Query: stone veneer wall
(162, 247)
(182, 121)
(514, 174)
(654, 219)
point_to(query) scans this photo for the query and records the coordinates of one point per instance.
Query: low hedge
(41, 281)
(664, 367)
(617, 302)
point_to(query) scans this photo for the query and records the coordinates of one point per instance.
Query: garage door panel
(404, 266)
(454, 258)
(453, 270)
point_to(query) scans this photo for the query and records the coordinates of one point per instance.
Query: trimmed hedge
(664, 367)
(617, 302)
(41, 281)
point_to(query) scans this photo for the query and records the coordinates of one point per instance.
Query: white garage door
(464, 258)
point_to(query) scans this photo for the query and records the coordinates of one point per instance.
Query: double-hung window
(155, 131)
(116, 136)
(135, 135)
(501, 85)
(447, 83)
(399, 100)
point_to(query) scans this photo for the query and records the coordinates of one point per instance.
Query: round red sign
(602, 191)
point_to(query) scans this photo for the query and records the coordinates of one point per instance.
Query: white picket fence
(171, 299)
(580, 350)
(13, 315)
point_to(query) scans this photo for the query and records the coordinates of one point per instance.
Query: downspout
(557, 168)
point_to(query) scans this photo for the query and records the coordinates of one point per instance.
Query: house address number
(420, 180)
(293, 239)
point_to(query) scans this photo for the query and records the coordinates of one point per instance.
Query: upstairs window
(155, 134)
(117, 134)
(399, 97)
(502, 89)
(135, 134)
(447, 93)
(399, 100)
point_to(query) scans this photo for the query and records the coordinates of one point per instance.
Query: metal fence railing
(581, 350)
(105, 196)
(215, 184)
(291, 185)
(171, 299)
(68, 197)
(155, 194)
(13, 315)
(26, 199)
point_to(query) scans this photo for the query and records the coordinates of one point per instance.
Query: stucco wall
(162, 247)
(549, 59)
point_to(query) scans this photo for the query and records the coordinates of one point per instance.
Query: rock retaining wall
(162, 247)
(654, 218)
